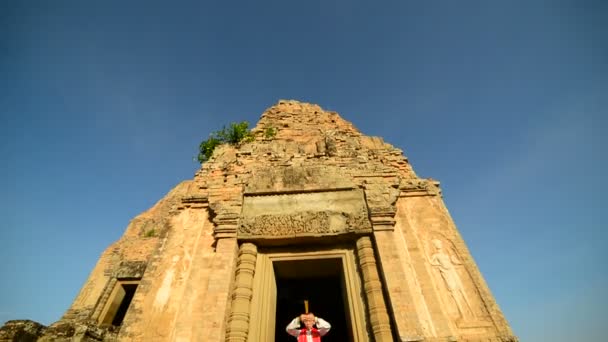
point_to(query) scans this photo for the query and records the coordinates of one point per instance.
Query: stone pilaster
(211, 312)
(238, 321)
(373, 290)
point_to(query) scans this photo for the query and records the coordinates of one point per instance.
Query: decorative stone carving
(378, 315)
(226, 220)
(381, 200)
(358, 222)
(309, 214)
(286, 225)
(456, 288)
(238, 321)
(301, 224)
(446, 263)
(383, 218)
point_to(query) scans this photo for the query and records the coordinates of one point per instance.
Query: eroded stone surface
(21, 330)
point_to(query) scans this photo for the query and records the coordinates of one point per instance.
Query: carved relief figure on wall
(446, 264)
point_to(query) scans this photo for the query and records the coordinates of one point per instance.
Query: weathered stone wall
(450, 299)
(126, 258)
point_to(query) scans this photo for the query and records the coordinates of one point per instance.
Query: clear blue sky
(103, 105)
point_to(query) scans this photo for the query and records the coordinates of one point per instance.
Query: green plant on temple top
(234, 134)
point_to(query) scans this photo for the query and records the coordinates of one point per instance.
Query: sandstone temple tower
(318, 212)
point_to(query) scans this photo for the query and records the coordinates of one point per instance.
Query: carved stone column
(238, 321)
(373, 290)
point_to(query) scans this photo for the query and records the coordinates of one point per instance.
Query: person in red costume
(309, 333)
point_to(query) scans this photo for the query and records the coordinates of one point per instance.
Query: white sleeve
(293, 328)
(323, 326)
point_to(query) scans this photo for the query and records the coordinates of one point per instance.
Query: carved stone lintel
(304, 224)
(286, 224)
(130, 269)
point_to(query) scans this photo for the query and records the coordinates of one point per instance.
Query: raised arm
(323, 326)
(293, 328)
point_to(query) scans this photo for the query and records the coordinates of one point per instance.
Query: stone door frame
(352, 281)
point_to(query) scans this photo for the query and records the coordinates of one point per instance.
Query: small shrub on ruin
(270, 132)
(150, 233)
(234, 134)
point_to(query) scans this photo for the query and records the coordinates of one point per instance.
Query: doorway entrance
(329, 280)
(321, 283)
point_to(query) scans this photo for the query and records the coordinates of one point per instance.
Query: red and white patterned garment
(305, 335)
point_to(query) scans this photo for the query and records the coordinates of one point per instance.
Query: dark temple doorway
(321, 282)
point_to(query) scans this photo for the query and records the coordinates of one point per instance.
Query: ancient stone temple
(311, 210)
